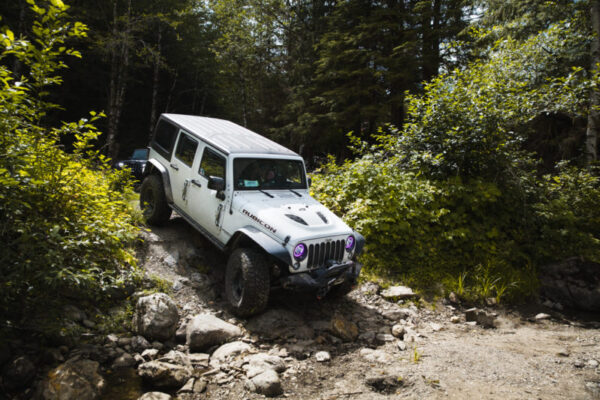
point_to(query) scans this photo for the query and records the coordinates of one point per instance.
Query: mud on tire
(153, 202)
(247, 281)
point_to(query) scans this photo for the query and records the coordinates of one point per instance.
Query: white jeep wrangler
(249, 196)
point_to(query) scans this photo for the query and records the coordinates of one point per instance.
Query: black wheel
(153, 201)
(247, 281)
(340, 290)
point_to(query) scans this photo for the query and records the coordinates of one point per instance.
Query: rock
(188, 387)
(150, 354)
(542, 316)
(397, 314)
(370, 288)
(155, 396)
(278, 323)
(124, 341)
(19, 372)
(435, 327)
(491, 301)
(323, 356)
(368, 337)
(257, 363)
(266, 383)
(156, 317)
(125, 360)
(579, 364)
(453, 298)
(455, 319)
(385, 337)
(227, 352)
(401, 345)
(480, 317)
(206, 330)
(176, 357)
(163, 374)
(592, 364)
(378, 356)
(88, 324)
(199, 385)
(73, 313)
(199, 360)
(139, 344)
(563, 353)
(398, 331)
(574, 283)
(53, 356)
(398, 293)
(73, 380)
(471, 314)
(343, 328)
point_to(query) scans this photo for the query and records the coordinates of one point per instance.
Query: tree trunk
(155, 79)
(118, 78)
(591, 137)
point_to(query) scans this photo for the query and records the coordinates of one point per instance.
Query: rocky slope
(372, 344)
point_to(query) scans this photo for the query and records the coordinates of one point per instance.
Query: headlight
(300, 252)
(350, 242)
(120, 164)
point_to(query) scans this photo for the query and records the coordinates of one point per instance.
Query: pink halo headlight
(350, 242)
(300, 252)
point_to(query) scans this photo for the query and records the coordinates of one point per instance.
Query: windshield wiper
(268, 194)
(296, 193)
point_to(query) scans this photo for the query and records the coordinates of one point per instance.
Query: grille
(320, 253)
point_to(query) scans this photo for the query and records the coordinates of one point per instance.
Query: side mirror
(309, 182)
(216, 183)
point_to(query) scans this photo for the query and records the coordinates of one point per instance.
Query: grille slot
(320, 253)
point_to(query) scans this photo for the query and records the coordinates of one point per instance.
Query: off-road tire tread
(161, 211)
(255, 271)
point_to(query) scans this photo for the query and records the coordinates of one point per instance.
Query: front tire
(247, 281)
(153, 201)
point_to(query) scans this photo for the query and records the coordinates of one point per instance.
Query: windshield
(268, 173)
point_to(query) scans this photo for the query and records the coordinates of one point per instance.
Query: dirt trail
(520, 359)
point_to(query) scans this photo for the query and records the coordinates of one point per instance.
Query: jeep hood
(286, 214)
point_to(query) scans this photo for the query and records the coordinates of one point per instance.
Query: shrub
(66, 220)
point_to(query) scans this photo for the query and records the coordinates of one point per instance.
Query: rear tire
(153, 201)
(247, 282)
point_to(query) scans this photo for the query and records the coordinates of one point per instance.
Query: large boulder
(280, 324)
(266, 383)
(206, 330)
(156, 317)
(163, 374)
(228, 352)
(573, 283)
(73, 380)
(155, 396)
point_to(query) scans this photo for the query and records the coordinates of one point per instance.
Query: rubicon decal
(260, 221)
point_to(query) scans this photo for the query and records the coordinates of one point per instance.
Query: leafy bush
(66, 220)
(452, 198)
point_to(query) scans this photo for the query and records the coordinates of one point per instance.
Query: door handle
(196, 183)
(174, 166)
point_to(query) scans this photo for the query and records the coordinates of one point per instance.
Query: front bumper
(322, 279)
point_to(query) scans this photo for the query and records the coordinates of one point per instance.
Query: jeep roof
(227, 136)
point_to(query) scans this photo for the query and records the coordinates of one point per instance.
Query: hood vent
(320, 214)
(296, 218)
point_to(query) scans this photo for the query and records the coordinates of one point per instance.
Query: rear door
(204, 206)
(180, 168)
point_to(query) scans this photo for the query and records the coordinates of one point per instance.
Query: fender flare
(264, 241)
(360, 243)
(155, 164)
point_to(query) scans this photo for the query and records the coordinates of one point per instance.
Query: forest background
(468, 128)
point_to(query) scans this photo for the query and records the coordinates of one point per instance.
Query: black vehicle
(136, 163)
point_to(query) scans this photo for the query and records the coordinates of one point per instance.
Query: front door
(181, 168)
(203, 204)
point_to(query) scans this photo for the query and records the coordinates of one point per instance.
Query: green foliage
(452, 197)
(65, 217)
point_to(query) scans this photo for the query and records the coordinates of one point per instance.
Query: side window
(186, 149)
(164, 138)
(212, 164)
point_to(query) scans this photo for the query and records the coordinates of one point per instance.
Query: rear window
(186, 149)
(164, 138)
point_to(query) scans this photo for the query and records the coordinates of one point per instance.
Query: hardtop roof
(227, 136)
